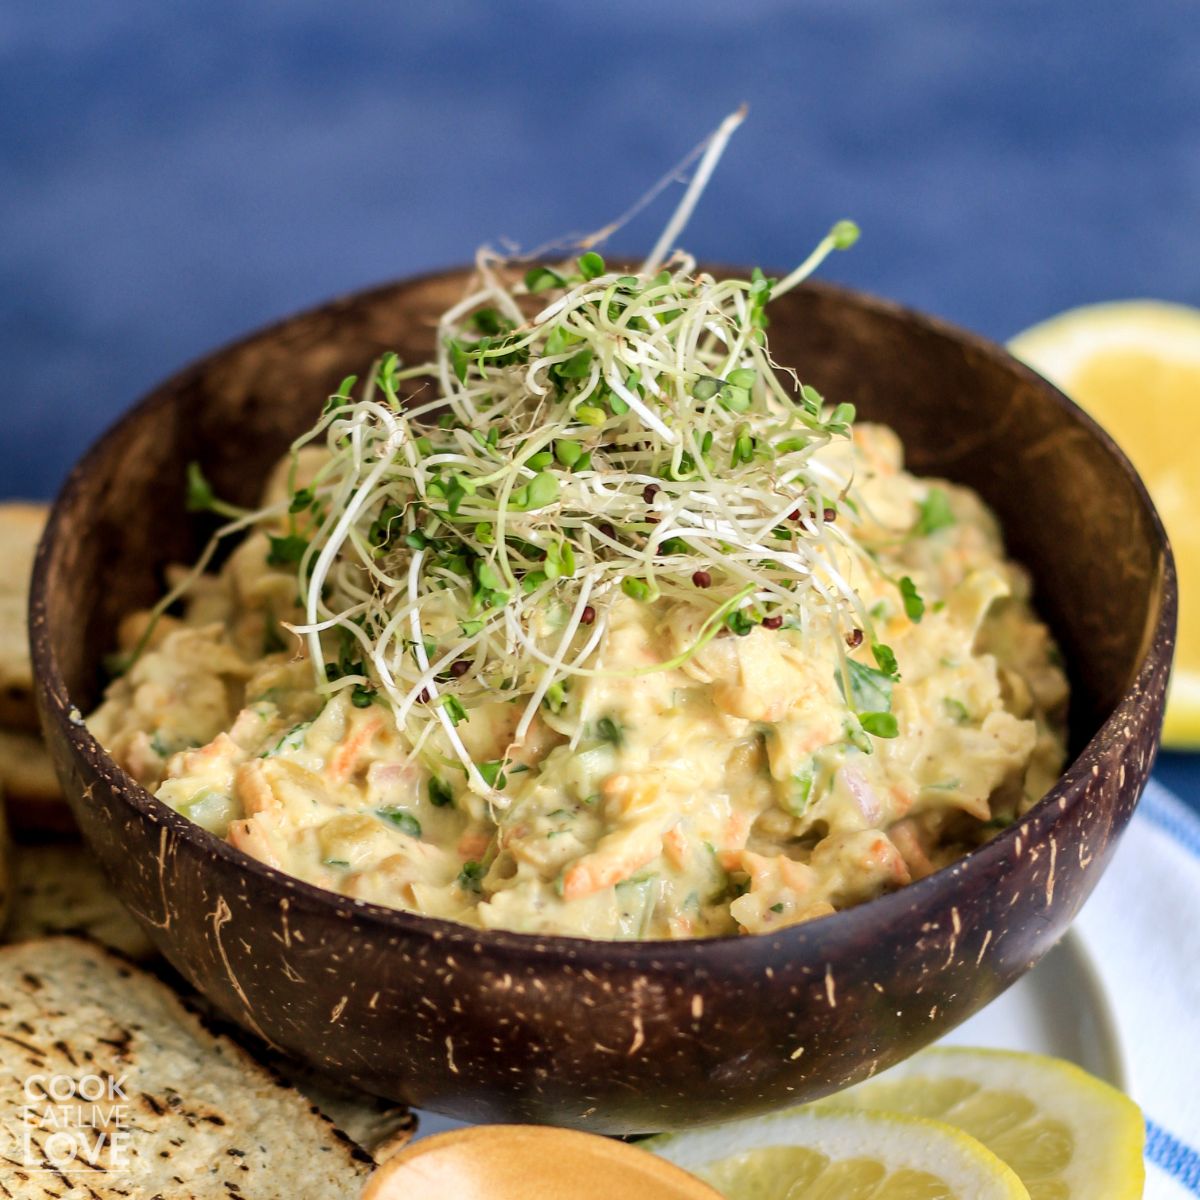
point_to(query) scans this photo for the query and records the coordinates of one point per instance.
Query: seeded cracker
(34, 799)
(20, 528)
(200, 1120)
(58, 887)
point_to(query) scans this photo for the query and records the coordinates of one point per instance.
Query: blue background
(173, 175)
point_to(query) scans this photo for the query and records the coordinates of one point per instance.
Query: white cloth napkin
(1142, 926)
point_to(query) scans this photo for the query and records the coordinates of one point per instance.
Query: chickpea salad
(602, 623)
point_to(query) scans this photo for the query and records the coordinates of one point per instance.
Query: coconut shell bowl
(616, 1037)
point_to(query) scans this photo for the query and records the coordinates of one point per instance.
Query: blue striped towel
(1142, 926)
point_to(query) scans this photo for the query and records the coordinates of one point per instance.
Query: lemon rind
(895, 1141)
(1108, 1126)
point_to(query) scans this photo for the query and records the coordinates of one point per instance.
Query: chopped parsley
(440, 793)
(610, 731)
(800, 792)
(470, 878)
(403, 821)
(934, 513)
(292, 740)
(493, 774)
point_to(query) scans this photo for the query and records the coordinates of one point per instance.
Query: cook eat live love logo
(69, 1124)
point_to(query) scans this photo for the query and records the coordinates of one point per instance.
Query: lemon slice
(1135, 366)
(824, 1154)
(1065, 1133)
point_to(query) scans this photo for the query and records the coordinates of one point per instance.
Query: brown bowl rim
(637, 954)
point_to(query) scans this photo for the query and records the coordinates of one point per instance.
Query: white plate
(1059, 1008)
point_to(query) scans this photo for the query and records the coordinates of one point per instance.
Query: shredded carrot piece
(675, 847)
(593, 872)
(473, 844)
(351, 748)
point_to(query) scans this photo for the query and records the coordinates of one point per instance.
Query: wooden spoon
(530, 1162)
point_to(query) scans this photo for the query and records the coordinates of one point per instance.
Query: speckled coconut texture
(605, 1036)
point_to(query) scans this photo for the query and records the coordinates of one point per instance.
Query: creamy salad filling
(733, 793)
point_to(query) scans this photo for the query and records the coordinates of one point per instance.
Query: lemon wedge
(1065, 1133)
(1135, 366)
(824, 1154)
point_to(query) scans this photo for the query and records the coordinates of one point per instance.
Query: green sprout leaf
(542, 279)
(637, 589)
(302, 498)
(560, 560)
(879, 724)
(292, 740)
(493, 774)
(440, 793)
(540, 491)
(743, 447)
(490, 323)
(843, 416)
(576, 367)
(800, 792)
(740, 622)
(844, 234)
(567, 452)
(914, 605)
(460, 360)
(386, 375)
(885, 660)
(342, 396)
(286, 550)
(870, 690)
(735, 399)
(470, 878)
(813, 400)
(610, 731)
(589, 414)
(591, 265)
(934, 513)
(200, 496)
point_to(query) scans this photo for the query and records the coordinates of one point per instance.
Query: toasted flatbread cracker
(35, 801)
(199, 1118)
(381, 1127)
(60, 888)
(20, 527)
(7, 886)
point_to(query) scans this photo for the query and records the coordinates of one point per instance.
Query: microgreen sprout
(202, 498)
(914, 604)
(585, 434)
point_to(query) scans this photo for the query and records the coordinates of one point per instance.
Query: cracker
(20, 527)
(381, 1127)
(60, 888)
(7, 884)
(35, 800)
(201, 1120)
